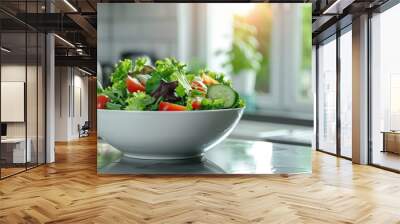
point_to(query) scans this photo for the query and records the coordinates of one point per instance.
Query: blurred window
(283, 36)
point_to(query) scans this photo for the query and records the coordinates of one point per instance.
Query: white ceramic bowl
(166, 134)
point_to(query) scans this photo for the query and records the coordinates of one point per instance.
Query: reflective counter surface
(230, 157)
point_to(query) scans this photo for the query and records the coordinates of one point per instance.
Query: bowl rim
(170, 112)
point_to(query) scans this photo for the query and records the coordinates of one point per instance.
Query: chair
(84, 130)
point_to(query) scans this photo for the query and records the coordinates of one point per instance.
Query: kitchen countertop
(233, 156)
(273, 132)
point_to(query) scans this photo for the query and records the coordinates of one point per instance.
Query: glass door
(14, 144)
(327, 96)
(22, 98)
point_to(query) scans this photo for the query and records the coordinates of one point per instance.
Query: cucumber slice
(223, 92)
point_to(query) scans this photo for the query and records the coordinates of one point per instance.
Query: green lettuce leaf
(121, 71)
(113, 106)
(152, 83)
(139, 64)
(139, 101)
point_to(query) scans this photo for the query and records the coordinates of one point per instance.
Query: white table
(19, 149)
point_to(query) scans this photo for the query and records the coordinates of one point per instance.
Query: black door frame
(340, 30)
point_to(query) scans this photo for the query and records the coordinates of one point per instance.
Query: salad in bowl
(166, 111)
(168, 86)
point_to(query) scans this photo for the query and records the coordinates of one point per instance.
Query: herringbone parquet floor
(70, 191)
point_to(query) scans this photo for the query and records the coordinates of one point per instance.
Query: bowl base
(148, 157)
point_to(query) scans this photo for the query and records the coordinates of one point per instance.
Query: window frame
(333, 37)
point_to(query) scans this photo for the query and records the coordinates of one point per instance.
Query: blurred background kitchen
(264, 48)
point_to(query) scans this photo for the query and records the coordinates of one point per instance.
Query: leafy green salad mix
(168, 86)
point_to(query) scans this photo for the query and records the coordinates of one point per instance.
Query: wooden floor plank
(70, 191)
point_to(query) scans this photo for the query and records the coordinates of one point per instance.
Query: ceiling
(74, 22)
(331, 15)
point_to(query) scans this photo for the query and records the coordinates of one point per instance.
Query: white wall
(16, 73)
(61, 103)
(80, 103)
(69, 82)
(34, 125)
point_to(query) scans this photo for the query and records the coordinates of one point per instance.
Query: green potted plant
(243, 59)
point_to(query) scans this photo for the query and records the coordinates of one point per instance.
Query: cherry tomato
(102, 101)
(196, 105)
(133, 85)
(165, 106)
